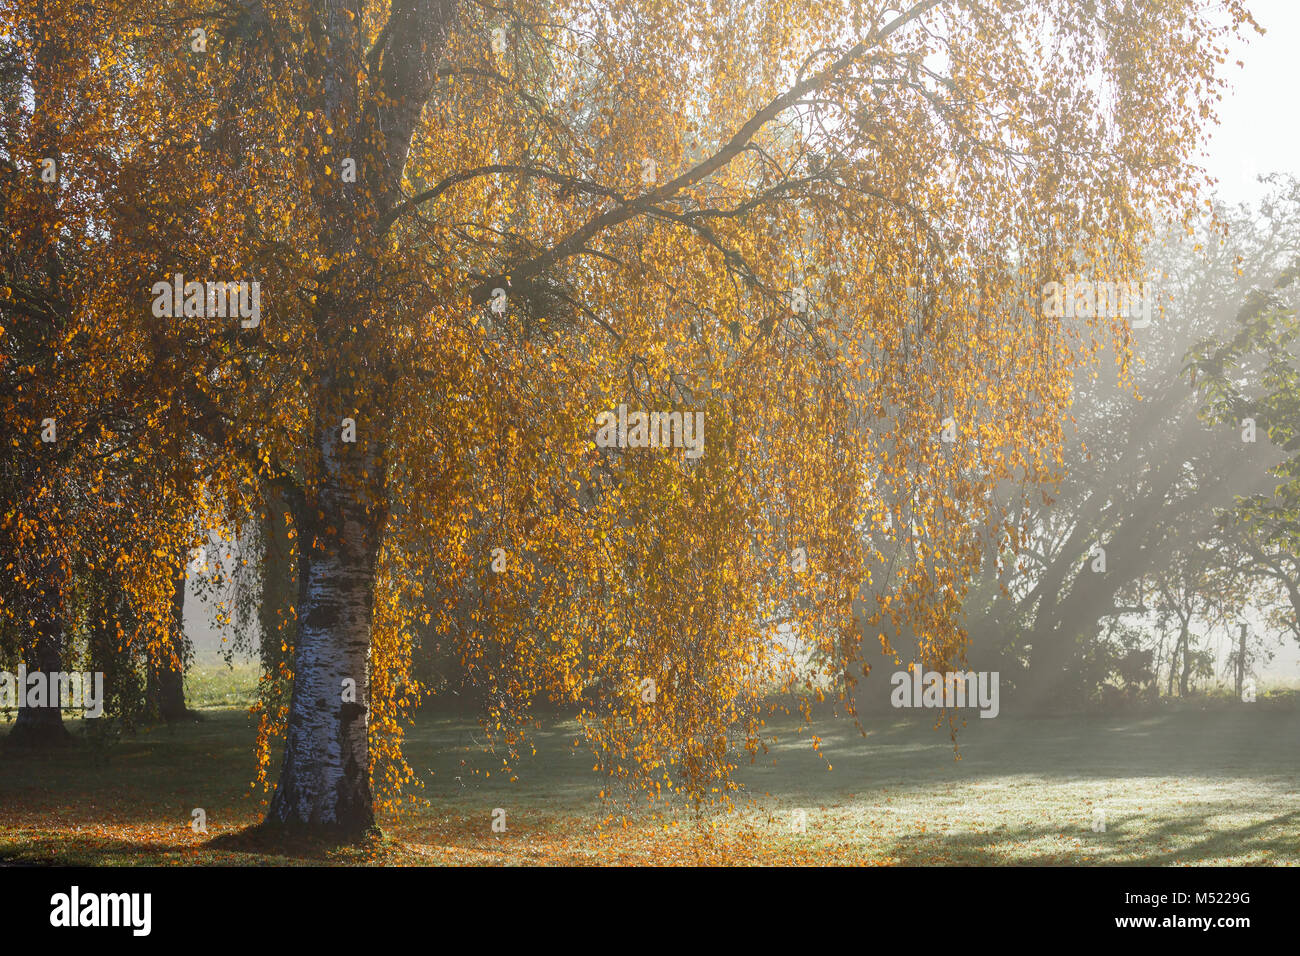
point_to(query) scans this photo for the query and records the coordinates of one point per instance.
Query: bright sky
(1259, 132)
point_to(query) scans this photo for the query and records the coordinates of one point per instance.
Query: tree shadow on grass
(905, 753)
(247, 847)
(93, 851)
(263, 840)
(1191, 839)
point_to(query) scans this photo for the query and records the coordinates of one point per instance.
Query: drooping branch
(575, 242)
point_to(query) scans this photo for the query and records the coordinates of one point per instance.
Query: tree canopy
(464, 232)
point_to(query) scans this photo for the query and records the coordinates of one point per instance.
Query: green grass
(211, 683)
(1177, 788)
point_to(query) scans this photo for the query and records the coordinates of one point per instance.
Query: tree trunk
(1241, 663)
(166, 687)
(42, 727)
(1187, 661)
(282, 569)
(166, 671)
(1160, 662)
(324, 782)
(1173, 670)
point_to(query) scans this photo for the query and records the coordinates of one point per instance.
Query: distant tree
(95, 494)
(1250, 379)
(1142, 522)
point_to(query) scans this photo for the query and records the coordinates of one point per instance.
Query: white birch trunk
(325, 780)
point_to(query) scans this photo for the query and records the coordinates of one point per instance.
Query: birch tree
(823, 227)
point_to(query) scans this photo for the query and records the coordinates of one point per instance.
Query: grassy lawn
(1194, 787)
